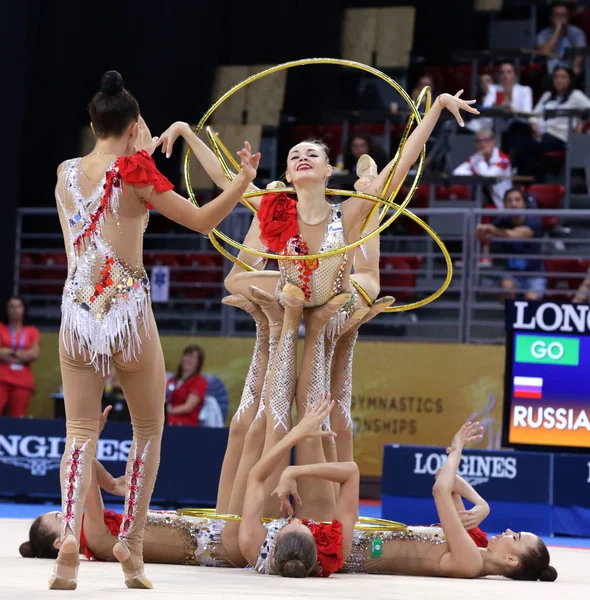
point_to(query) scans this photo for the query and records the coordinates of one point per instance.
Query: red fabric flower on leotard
(328, 541)
(140, 169)
(278, 220)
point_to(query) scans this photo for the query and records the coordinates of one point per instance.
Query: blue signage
(31, 450)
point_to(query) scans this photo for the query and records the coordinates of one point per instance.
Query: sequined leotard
(202, 537)
(107, 294)
(359, 560)
(324, 277)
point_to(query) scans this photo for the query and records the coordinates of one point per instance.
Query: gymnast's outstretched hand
(249, 164)
(315, 415)
(145, 141)
(167, 139)
(454, 104)
(287, 487)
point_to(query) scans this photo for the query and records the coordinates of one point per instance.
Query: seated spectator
(513, 231)
(426, 80)
(512, 95)
(485, 98)
(19, 348)
(517, 98)
(549, 135)
(359, 144)
(560, 36)
(489, 161)
(186, 390)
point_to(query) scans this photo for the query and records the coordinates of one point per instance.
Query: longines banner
(517, 486)
(190, 463)
(406, 393)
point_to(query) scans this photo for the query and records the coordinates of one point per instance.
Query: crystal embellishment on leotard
(71, 486)
(263, 563)
(201, 537)
(359, 560)
(273, 342)
(252, 383)
(134, 489)
(283, 386)
(343, 396)
(105, 301)
(321, 280)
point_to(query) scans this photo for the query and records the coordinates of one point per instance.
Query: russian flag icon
(528, 387)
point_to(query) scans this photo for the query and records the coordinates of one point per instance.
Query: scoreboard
(547, 377)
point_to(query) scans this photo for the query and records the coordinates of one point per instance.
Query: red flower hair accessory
(328, 541)
(278, 220)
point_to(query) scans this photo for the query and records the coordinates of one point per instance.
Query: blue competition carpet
(10, 510)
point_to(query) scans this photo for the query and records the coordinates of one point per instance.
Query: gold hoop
(219, 149)
(363, 524)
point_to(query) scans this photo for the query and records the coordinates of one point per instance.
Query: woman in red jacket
(186, 390)
(19, 348)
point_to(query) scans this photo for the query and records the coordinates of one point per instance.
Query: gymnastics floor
(22, 579)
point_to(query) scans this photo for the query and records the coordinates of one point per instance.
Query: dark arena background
(507, 344)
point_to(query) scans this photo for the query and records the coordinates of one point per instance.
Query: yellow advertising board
(405, 393)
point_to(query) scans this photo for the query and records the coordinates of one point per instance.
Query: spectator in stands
(514, 233)
(512, 95)
(550, 135)
(359, 144)
(489, 161)
(19, 348)
(426, 80)
(486, 98)
(517, 98)
(186, 390)
(560, 36)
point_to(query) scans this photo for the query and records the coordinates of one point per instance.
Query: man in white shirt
(489, 161)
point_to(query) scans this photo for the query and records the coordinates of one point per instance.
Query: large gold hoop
(219, 149)
(363, 524)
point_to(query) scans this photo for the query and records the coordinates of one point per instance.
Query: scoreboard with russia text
(547, 378)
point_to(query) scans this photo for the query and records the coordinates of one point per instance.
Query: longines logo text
(474, 469)
(550, 316)
(40, 454)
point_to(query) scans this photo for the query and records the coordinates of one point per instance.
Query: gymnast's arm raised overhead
(357, 208)
(252, 532)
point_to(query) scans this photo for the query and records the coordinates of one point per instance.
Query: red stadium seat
(549, 196)
(561, 280)
(399, 272)
(205, 274)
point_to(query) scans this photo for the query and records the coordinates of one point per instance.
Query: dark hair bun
(294, 568)
(26, 550)
(111, 83)
(549, 573)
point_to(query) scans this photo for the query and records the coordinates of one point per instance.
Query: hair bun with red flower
(328, 541)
